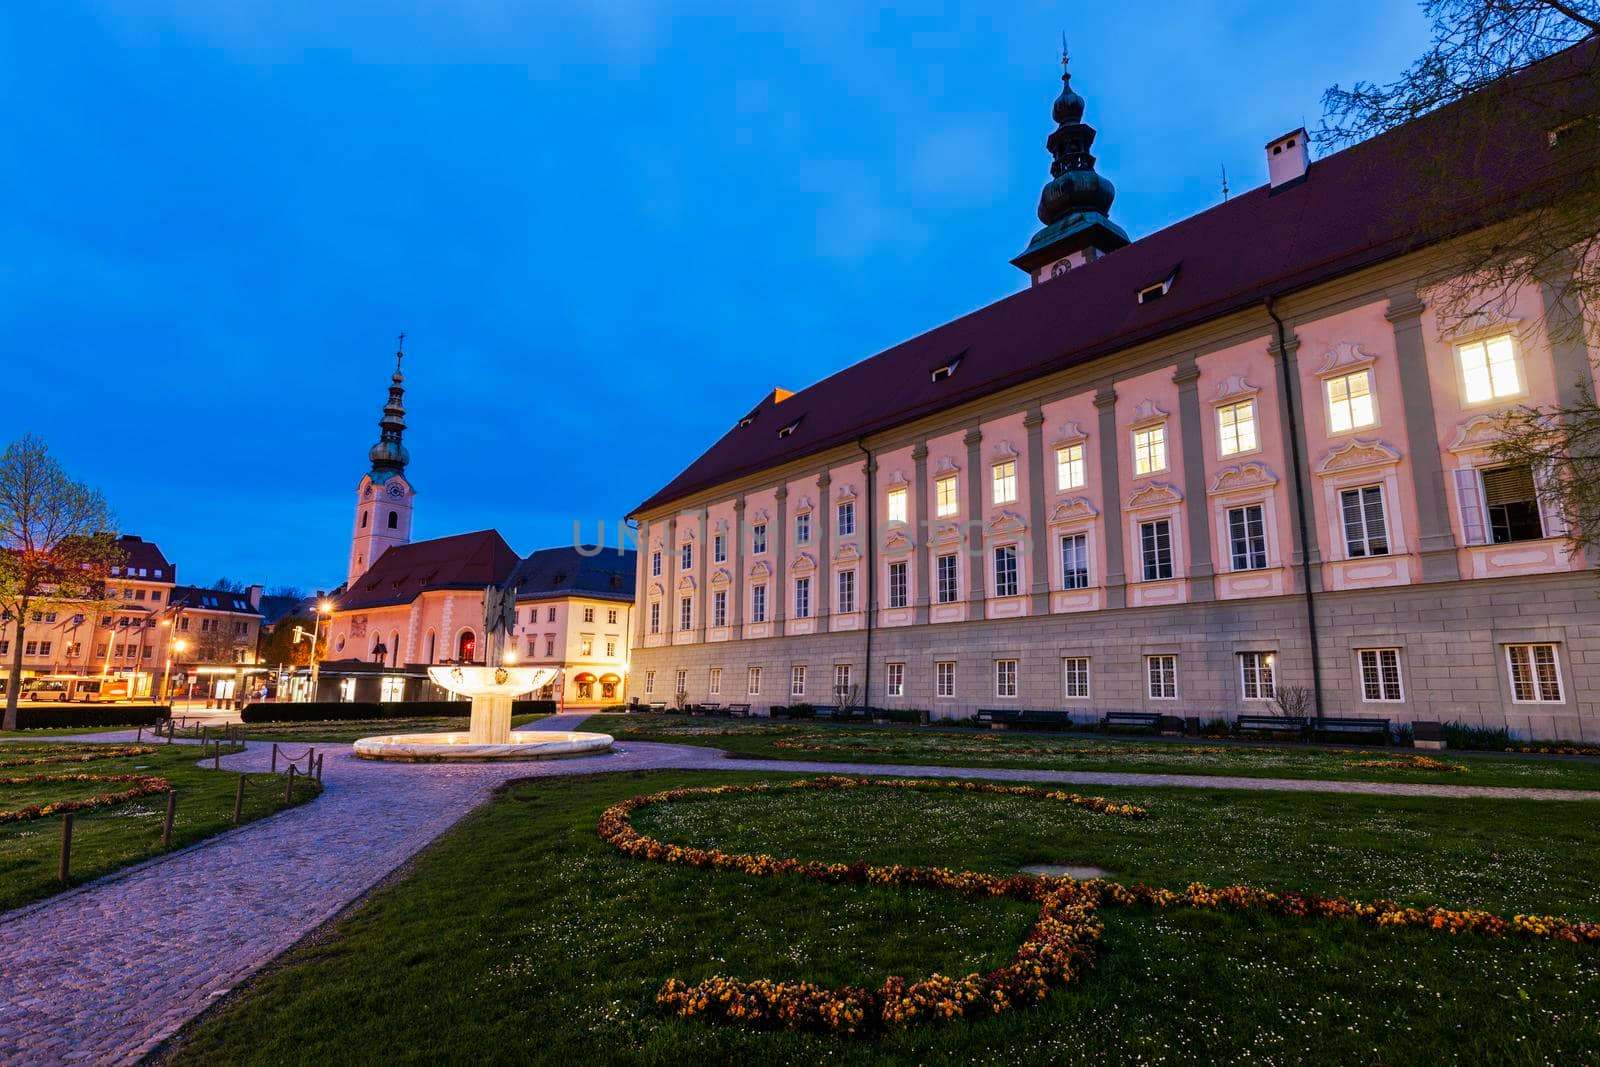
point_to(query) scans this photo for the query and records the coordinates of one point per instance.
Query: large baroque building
(1174, 474)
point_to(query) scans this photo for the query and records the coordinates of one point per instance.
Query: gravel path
(106, 972)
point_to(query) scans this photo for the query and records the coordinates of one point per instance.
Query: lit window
(1350, 405)
(1161, 674)
(847, 519)
(1247, 538)
(897, 505)
(797, 681)
(945, 496)
(1005, 482)
(1075, 561)
(1155, 542)
(1005, 570)
(1150, 449)
(802, 598)
(1236, 427)
(1257, 670)
(753, 682)
(896, 675)
(1076, 669)
(1380, 675)
(897, 585)
(1005, 677)
(949, 588)
(1535, 674)
(611, 616)
(944, 679)
(586, 645)
(1489, 369)
(588, 615)
(1365, 530)
(847, 592)
(611, 649)
(1069, 467)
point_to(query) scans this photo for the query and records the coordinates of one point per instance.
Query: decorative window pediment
(946, 532)
(897, 480)
(947, 466)
(1250, 475)
(1147, 410)
(686, 584)
(898, 542)
(1358, 454)
(761, 569)
(847, 553)
(1489, 320)
(803, 504)
(657, 589)
(804, 562)
(1344, 357)
(685, 533)
(1069, 434)
(1003, 450)
(1234, 387)
(1154, 495)
(846, 491)
(1477, 433)
(722, 576)
(1007, 521)
(1078, 509)
(761, 515)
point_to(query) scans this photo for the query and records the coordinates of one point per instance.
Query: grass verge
(337, 731)
(521, 937)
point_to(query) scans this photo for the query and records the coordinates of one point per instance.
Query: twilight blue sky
(606, 228)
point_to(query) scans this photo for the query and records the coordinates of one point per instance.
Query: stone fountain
(491, 689)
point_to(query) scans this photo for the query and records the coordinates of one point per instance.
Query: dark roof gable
(550, 572)
(404, 572)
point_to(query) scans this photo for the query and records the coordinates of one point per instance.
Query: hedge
(34, 717)
(329, 710)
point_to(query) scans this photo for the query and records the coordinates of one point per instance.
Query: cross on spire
(399, 352)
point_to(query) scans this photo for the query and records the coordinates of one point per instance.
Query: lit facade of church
(1174, 474)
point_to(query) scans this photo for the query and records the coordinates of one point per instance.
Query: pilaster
(778, 595)
(1287, 367)
(824, 519)
(1567, 333)
(919, 492)
(973, 537)
(1436, 541)
(1105, 400)
(736, 590)
(1202, 572)
(1039, 551)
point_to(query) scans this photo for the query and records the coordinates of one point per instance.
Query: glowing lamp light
(325, 606)
(510, 657)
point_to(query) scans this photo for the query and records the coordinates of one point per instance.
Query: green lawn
(66, 731)
(955, 747)
(345, 731)
(522, 937)
(106, 839)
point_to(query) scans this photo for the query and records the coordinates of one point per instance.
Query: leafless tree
(56, 546)
(1292, 701)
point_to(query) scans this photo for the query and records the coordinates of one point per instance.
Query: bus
(74, 688)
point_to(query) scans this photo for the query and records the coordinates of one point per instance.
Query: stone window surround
(1372, 463)
(1238, 486)
(1484, 330)
(1345, 358)
(1402, 665)
(1155, 502)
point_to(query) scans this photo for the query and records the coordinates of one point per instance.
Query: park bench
(657, 706)
(741, 711)
(1274, 724)
(1044, 719)
(1133, 720)
(997, 718)
(825, 711)
(1428, 735)
(1333, 724)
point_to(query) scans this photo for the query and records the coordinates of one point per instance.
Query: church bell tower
(384, 496)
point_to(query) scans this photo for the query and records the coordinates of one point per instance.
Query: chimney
(255, 595)
(1287, 158)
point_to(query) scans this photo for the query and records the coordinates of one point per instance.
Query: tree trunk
(14, 683)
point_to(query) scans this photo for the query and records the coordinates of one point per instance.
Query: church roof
(554, 572)
(404, 572)
(1353, 209)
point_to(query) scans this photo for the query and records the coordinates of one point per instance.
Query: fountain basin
(460, 747)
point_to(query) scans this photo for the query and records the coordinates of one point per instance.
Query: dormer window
(790, 428)
(1159, 289)
(944, 370)
(748, 419)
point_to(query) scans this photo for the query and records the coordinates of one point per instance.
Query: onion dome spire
(1076, 201)
(389, 456)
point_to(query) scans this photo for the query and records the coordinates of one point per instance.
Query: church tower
(1075, 203)
(384, 497)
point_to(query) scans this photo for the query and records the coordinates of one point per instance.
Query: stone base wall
(1451, 637)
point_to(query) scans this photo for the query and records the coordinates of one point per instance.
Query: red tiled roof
(402, 573)
(1353, 209)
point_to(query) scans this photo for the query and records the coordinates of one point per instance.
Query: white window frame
(1005, 679)
(752, 684)
(686, 556)
(1481, 343)
(686, 613)
(719, 548)
(1157, 668)
(1230, 438)
(1377, 667)
(649, 683)
(802, 598)
(655, 563)
(1172, 549)
(944, 679)
(899, 594)
(1004, 482)
(1150, 449)
(1258, 676)
(939, 578)
(1006, 584)
(391, 689)
(841, 682)
(845, 591)
(845, 518)
(897, 504)
(758, 539)
(1061, 558)
(680, 682)
(758, 602)
(655, 616)
(945, 508)
(1366, 533)
(719, 607)
(797, 680)
(1250, 556)
(802, 528)
(1067, 669)
(1349, 403)
(895, 679)
(1070, 470)
(714, 681)
(1530, 649)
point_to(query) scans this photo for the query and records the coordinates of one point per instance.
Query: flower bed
(143, 786)
(76, 754)
(1408, 763)
(1059, 947)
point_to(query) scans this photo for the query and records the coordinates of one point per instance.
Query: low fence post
(216, 756)
(66, 847)
(311, 759)
(166, 825)
(138, 737)
(288, 789)
(274, 757)
(319, 767)
(238, 801)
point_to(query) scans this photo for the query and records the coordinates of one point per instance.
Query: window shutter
(1549, 505)
(1469, 500)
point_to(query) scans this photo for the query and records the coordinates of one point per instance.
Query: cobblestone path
(106, 972)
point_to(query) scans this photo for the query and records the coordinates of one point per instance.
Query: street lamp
(166, 675)
(323, 608)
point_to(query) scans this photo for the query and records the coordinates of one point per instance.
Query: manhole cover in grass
(1066, 870)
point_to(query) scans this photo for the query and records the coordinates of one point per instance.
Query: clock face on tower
(396, 489)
